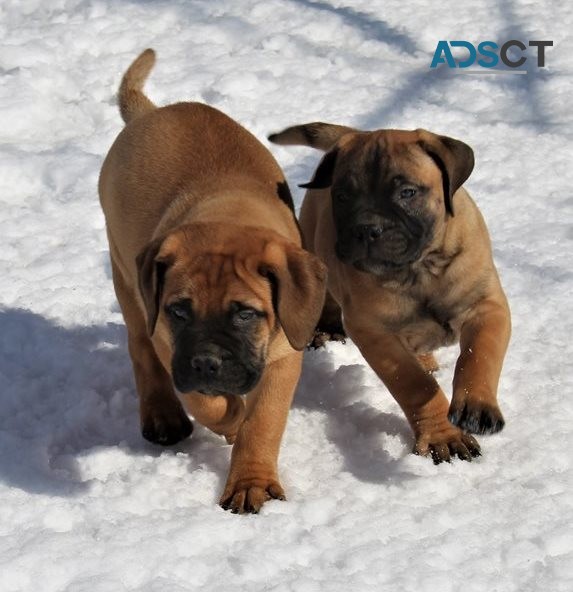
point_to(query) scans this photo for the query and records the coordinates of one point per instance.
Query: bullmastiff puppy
(218, 296)
(410, 270)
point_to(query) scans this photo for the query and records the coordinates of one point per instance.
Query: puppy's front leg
(483, 342)
(417, 393)
(253, 476)
(163, 420)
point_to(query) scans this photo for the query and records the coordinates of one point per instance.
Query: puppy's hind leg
(329, 327)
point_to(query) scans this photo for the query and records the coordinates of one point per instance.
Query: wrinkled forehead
(213, 282)
(376, 158)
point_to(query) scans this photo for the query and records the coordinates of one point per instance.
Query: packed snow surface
(85, 503)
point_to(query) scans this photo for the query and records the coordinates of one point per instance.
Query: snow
(85, 503)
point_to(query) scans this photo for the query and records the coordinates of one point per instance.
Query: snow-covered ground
(85, 503)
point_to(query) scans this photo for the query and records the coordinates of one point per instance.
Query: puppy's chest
(423, 325)
(428, 327)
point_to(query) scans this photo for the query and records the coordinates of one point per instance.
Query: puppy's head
(392, 193)
(217, 295)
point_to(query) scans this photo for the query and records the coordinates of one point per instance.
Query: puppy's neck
(231, 205)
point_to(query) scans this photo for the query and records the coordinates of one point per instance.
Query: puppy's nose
(205, 366)
(367, 232)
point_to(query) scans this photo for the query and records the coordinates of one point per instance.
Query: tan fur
(132, 101)
(394, 322)
(187, 187)
(318, 135)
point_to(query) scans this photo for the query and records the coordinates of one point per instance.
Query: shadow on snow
(67, 391)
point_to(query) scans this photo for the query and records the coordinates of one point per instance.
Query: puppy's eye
(407, 193)
(179, 311)
(342, 197)
(245, 314)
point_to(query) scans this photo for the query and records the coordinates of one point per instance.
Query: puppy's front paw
(166, 426)
(247, 495)
(443, 446)
(476, 417)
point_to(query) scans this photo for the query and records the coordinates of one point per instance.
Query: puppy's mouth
(371, 265)
(234, 381)
(212, 391)
(365, 257)
(232, 389)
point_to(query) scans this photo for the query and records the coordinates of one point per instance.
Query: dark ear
(299, 287)
(151, 268)
(323, 175)
(454, 159)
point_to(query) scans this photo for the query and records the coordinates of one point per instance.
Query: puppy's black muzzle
(215, 355)
(371, 247)
(215, 374)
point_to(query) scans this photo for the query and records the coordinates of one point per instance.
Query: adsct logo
(487, 55)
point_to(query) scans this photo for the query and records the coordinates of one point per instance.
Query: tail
(316, 135)
(132, 101)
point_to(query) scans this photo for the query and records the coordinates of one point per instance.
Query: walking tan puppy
(410, 265)
(217, 294)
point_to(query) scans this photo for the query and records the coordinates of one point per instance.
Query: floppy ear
(298, 279)
(454, 159)
(323, 175)
(151, 268)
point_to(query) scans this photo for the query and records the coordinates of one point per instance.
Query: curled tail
(316, 135)
(132, 101)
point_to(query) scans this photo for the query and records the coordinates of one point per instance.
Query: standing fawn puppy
(217, 294)
(410, 270)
